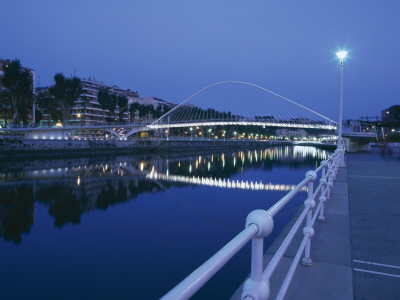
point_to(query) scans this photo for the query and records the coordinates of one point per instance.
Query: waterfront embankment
(355, 251)
(16, 148)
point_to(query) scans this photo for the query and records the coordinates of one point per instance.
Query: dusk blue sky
(171, 49)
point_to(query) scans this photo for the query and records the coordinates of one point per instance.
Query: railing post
(322, 197)
(255, 288)
(310, 203)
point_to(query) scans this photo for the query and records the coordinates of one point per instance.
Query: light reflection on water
(135, 214)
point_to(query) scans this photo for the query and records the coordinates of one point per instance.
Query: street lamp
(341, 55)
(191, 131)
(209, 134)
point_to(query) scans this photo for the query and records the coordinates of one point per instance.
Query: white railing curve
(259, 224)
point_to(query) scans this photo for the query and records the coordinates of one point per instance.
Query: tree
(17, 89)
(108, 102)
(133, 109)
(144, 110)
(65, 91)
(48, 104)
(122, 102)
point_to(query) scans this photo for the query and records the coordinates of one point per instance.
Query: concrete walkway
(356, 251)
(374, 198)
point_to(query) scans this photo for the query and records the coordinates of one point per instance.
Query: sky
(171, 49)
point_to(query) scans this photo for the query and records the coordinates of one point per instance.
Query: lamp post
(341, 55)
(191, 132)
(209, 134)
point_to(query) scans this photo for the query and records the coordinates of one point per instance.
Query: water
(102, 228)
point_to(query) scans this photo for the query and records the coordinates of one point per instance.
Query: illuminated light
(78, 115)
(59, 124)
(78, 181)
(141, 166)
(341, 54)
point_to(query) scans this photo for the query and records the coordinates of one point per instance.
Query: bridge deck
(362, 221)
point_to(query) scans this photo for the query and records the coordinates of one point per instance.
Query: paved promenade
(356, 251)
(374, 202)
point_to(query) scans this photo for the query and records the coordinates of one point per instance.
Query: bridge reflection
(72, 187)
(223, 183)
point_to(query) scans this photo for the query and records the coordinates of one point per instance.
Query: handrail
(285, 199)
(259, 224)
(199, 277)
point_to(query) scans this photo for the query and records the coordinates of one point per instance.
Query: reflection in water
(244, 185)
(69, 188)
(16, 212)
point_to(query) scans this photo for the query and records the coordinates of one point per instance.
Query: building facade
(87, 109)
(391, 114)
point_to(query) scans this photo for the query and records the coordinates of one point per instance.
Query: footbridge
(228, 105)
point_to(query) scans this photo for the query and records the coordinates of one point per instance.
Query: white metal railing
(259, 224)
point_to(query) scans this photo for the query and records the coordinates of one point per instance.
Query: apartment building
(87, 109)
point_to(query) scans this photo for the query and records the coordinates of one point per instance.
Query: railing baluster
(259, 224)
(310, 203)
(255, 287)
(322, 198)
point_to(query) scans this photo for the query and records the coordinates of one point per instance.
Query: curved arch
(136, 129)
(244, 83)
(113, 133)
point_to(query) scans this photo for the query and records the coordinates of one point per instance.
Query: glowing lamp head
(341, 54)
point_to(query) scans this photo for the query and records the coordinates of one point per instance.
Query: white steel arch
(243, 83)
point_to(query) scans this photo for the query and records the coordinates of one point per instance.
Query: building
(6, 113)
(87, 110)
(298, 134)
(156, 102)
(391, 114)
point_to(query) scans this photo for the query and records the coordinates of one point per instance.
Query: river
(132, 227)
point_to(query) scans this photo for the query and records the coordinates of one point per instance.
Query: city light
(341, 54)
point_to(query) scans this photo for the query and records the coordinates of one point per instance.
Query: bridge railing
(259, 224)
